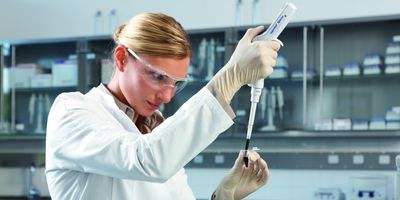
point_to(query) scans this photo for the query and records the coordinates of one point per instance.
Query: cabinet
(309, 96)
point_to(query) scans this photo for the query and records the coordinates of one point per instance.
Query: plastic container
(333, 71)
(393, 125)
(393, 47)
(351, 69)
(372, 59)
(297, 73)
(359, 125)
(392, 69)
(341, 124)
(372, 69)
(377, 123)
(392, 59)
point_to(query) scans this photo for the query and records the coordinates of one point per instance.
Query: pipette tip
(246, 159)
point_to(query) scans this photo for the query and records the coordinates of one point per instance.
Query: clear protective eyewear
(158, 78)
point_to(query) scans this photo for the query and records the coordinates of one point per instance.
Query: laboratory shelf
(45, 89)
(24, 136)
(267, 81)
(323, 134)
(15, 143)
(364, 77)
(197, 83)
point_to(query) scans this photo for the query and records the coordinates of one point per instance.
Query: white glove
(241, 180)
(249, 62)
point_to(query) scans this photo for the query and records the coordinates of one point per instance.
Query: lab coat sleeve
(86, 140)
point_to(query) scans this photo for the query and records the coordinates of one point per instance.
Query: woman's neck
(115, 90)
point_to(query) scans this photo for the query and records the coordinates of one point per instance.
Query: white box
(384, 159)
(358, 159)
(393, 47)
(333, 72)
(372, 59)
(65, 73)
(393, 125)
(6, 80)
(324, 125)
(392, 59)
(392, 69)
(23, 73)
(333, 159)
(351, 69)
(298, 73)
(371, 188)
(359, 125)
(107, 68)
(372, 70)
(341, 124)
(377, 124)
(41, 81)
(392, 115)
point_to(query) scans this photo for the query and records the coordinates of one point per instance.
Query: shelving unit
(311, 45)
(323, 134)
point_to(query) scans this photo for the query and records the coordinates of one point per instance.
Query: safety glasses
(158, 78)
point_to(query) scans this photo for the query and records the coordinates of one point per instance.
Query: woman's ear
(120, 57)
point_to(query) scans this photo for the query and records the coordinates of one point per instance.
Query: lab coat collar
(125, 108)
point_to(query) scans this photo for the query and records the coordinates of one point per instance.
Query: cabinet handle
(321, 71)
(13, 64)
(1, 88)
(305, 31)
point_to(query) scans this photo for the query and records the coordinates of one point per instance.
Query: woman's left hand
(241, 180)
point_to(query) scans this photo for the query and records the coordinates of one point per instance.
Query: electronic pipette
(273, 31)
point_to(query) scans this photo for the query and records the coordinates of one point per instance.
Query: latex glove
(249, 62)
(241, 180)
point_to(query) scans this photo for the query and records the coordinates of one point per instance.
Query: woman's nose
(165, 94)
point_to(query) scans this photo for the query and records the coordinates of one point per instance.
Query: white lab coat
(94, 151)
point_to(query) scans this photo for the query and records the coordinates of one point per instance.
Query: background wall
(26, 19)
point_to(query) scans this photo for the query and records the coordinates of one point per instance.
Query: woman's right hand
(249, 62)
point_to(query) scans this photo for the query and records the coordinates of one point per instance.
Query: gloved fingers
(256, 169)
(278, 40)
(269, 55)
(248, 172)
(274, 44)
(251, 33)
(239, 162)
(253, 155)
(254, 159)
(263, 173)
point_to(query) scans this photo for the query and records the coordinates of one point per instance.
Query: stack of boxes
(31, 75)
(392, 58)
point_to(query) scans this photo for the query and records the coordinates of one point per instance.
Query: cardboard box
(41, 81)
(23, 73)
(65, 73)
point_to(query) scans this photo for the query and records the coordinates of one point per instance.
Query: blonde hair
(154, 34)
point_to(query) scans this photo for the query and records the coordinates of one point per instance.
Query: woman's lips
(153, 105)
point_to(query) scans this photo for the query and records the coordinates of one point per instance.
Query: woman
(112, 143)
